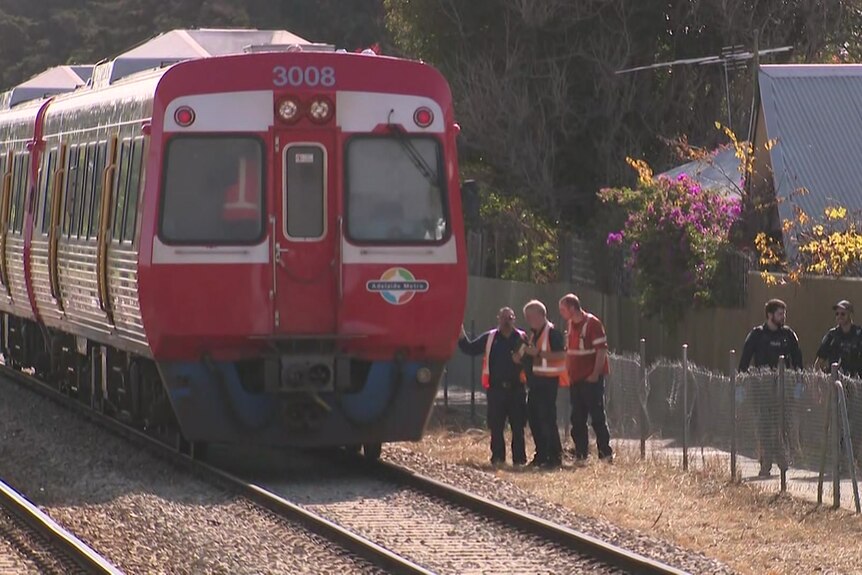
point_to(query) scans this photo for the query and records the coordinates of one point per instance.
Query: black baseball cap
(843, 304)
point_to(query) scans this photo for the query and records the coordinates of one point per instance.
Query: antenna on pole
(731, 58)
(755, 96)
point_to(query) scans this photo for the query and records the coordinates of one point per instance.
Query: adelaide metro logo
(397, 286)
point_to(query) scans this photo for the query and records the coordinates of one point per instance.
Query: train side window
(71, 187)
(101, 163)
(44, 189)
(13, 192)
(121, 184)
(83, 210)
(135, 172)
(90, 228)
(20, 177)
(78, 203)
(13, 203)
(22, 192)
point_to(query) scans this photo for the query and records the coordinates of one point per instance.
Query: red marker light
(184, 116)
(423, 117)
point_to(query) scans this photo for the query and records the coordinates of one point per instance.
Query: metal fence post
(781, 424)
(827, 444)
(685, 407)
(472, 375)
(848, 443)
(836, 442)
(644, 429)
(732, 372)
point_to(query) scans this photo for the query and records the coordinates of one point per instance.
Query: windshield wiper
(415, 157)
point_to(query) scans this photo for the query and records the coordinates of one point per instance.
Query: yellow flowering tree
(824, 244)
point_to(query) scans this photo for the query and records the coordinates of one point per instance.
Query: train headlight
(288, 110)
(320, 110)
(423, 375)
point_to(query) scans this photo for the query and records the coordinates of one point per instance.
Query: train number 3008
(298, 76)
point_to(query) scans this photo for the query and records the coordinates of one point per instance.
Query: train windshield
(213, 190)
(395, 190)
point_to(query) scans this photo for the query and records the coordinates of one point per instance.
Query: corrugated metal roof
(814, 112)
(719, 172)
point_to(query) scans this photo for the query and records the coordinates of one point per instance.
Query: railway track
(398, 520)
(438, 526)
(41, 543)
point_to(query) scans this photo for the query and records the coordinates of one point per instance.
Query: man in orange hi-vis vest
(544, 361)
(587, 365)
(503, 380)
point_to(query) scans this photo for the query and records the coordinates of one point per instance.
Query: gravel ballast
(142, 514)
(489, 486)
(434, 534)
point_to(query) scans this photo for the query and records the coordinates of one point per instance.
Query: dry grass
(751, 531)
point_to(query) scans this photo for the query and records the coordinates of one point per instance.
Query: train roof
(178, 45)
(57, 80)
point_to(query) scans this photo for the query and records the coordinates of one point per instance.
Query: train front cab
(361, 282)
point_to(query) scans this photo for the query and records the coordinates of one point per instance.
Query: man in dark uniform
(502, 379)
(764, 345)
(843, 345)
(544, 361)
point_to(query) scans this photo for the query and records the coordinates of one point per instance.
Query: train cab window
(305, 192)
(46, 188)
(395, 190)
(205, 181)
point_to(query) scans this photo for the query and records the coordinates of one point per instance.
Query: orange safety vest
(545, 367)
(242, 200)
(581, 350)
(486, 369)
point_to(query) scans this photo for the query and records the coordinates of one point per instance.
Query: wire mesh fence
(786, 429)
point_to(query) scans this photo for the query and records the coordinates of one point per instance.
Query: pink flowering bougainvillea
(673, 237)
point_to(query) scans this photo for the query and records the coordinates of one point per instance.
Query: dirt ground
(749, 530)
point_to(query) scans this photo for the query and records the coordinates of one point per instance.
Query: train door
(304, 231)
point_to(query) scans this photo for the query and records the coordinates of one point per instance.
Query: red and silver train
(237, 235)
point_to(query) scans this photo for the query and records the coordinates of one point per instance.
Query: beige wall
(710, 333)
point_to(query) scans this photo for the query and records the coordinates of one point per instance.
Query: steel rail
(360, 546)
(67, 544)
(566, 537)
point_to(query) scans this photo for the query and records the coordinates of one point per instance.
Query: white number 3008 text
(297, 76)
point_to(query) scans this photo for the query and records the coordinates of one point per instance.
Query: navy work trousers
(588, 402)
(507, 404)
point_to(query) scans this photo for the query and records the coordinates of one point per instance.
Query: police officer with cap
(843, 343)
